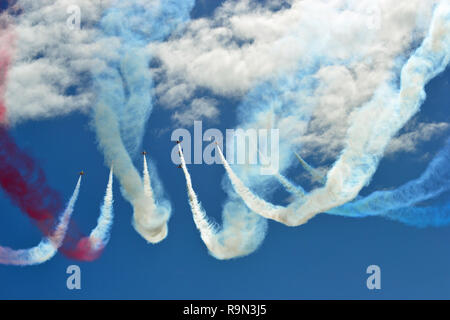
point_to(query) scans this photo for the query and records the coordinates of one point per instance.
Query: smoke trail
(434, 216)
(393, 108)
(24, 181)
(313, 172)
(6, 40)
(366, 142)
(124, 101)
(48, 247)
(288, 185)
(147, 185)
(255, 203)
(20, 177)
(99, 237)
(148, 219)
(25, 184)
(242, 231)
(434, 181)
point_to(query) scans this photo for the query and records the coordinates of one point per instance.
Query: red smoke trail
(25, 183)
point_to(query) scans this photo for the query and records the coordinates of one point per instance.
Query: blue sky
(325, 258)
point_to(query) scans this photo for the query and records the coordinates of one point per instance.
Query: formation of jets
(144, 153)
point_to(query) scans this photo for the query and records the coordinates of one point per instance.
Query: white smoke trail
(48, 247)
(288, 185)
(149, 220)
(366, 142)
(99, 236)
(313, 172)
(204, 226)
(147, 184)
(125, 102)
(255, 203)
(241, 234)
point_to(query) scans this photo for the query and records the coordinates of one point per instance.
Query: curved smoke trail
(255, 203)
(124, 100)
(366, 143)
(48, 247)
(25, 183)
(241, 234)
(398, 204)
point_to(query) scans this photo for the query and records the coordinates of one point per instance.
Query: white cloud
(50, 59)
(409, 141)
(199, 109)
(246, 43)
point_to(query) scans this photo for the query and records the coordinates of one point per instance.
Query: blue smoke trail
(124, 101)
(397, 204)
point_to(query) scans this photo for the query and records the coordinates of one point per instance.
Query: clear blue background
(326, 258)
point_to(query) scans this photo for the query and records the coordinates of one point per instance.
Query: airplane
(144, 153)
(81, 173)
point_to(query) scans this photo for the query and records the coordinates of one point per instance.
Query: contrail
(241, 234)
(366, 142)
(313, 172)
(48, 247)
(125, 103)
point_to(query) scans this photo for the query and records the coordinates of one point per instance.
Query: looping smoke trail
(148, 220)
(366, 143)
(48, 247)
(241, 234)
(125, 103)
